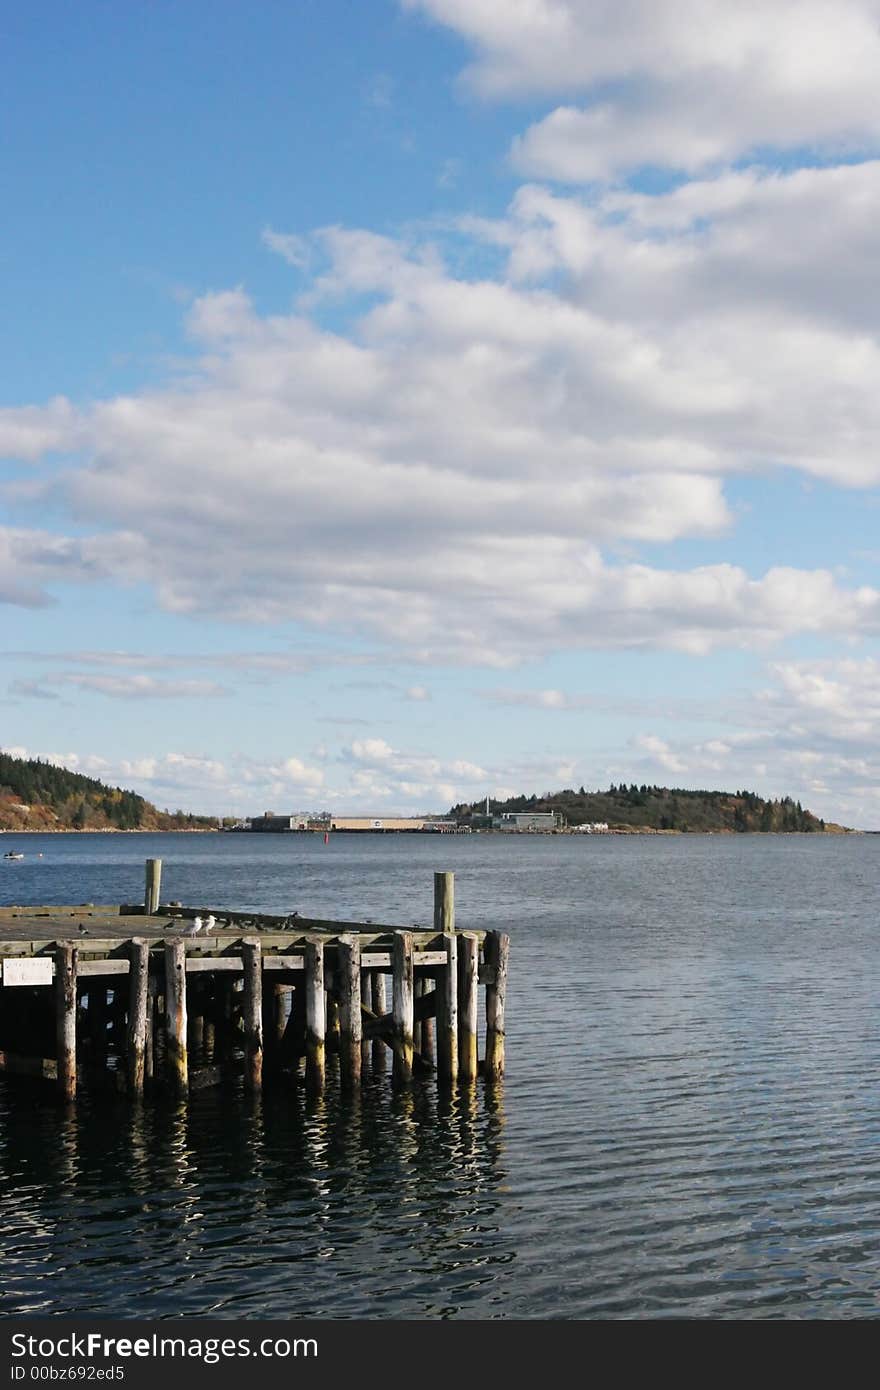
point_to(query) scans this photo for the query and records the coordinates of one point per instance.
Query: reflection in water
(689, 1124)
(279, 1206)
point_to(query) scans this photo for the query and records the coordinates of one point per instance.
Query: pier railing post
(316, 1018)
(402, 1006)
(447, 1012)
(468, 974)
(66, 959)
(349, 973)
(252, 1011)
(138, 981)
(175, 1015)
(496, 951)
(444, 902)
(153, 886)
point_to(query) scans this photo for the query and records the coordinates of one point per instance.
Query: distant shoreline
(571, 834)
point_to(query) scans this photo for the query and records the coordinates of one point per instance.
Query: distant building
(268, 821)
(527, 821)
(378, 823)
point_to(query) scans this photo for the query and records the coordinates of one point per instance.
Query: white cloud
(660, 752)
(677, 83)
(444, 482)
(138, 687)
(296, 250)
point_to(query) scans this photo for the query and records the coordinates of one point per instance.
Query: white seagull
(211, 923)
(194, 927)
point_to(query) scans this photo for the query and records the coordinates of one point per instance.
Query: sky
(408, 401)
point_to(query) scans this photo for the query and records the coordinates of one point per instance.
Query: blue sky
(412, 400)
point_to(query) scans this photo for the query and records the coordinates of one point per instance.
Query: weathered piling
(66, 956)
(379, 1007)
(447, 1012)
(468, 979)
(252, 1013)
(280, 998)
(153, 886)
(444, 902)
(496, 951)
(424, 1031)
(138, 1001)
(402, 1006)
(349, 975)
(316, 1018)
(152, 1025)
(176, 1062)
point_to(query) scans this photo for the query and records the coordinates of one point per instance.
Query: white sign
(33, 970)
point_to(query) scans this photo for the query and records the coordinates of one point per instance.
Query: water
(689, 1126)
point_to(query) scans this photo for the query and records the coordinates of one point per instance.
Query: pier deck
(136, 997)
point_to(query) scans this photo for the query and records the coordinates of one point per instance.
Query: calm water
(690, 1124)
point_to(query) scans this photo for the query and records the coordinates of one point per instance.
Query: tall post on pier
(252, 1013)
(468, 975)
(402, 1006)
(66, 957)
(316, 1018)
(444, 902)
(175, 1015)
(153, 886)
(349, 975)
(496, 951)
(138, 980)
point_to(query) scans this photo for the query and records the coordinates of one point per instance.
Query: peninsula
(37, 795)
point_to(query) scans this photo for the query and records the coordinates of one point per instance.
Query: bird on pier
(194, 927)
(290, 919)
(210, 922)
(83, 931)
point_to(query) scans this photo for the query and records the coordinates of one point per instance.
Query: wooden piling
(496, 951)
(444, 902)
(331, 1021)
(138, 995)
(379, 1006)
(175, 1015)
(424, 1029)
(253, 1013)
(316, 1018)
(66, 959)
(349, 976)
(447, 1012)
(153, 886)
(150, 1039)
(280, 1010)
(468, 975)
(402, 1006)
(366, 1043)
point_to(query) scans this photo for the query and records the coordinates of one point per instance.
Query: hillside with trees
(661, 809)
(37, 795)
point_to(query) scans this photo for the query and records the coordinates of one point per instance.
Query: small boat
(13, 854)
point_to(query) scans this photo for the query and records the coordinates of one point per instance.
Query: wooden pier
(161, 996)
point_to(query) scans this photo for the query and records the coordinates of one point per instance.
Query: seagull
(211, 923)
(195, 926)
(83, 931)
